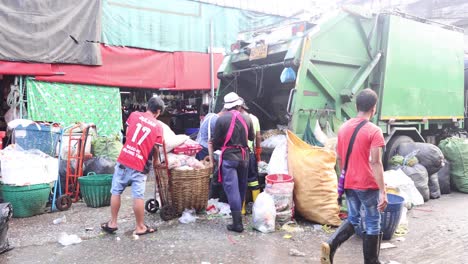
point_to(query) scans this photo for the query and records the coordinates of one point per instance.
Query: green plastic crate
(28, 200)
(95, 189)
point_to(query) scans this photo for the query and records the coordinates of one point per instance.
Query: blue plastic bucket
(389, 218)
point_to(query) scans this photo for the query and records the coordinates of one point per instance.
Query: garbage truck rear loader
(416, 66)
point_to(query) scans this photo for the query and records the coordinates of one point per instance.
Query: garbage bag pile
(456, 152)
(422, 162)
(282, 194)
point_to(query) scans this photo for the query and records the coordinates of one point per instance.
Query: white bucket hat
(231, 100)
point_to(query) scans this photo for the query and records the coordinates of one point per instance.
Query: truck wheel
(392, 147)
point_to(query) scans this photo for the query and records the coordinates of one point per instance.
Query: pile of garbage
(181, 151)
(425, 165)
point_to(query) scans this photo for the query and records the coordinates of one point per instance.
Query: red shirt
(359, 175)
(143, 132)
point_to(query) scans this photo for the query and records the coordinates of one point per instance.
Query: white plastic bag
(66, 240)
(279, 160)
(264, 213)
(319, 135)
(171, 139)
(398, 179)
(273, 141)
(188, 216)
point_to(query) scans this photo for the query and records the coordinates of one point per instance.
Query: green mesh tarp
(455, 150)
(70, 103)
(176, 25)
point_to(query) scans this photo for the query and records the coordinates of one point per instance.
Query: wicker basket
(190, 188)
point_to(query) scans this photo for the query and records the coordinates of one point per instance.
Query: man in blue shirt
(206, 133)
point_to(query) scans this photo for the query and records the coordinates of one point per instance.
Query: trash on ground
(387, 245)
(264, 213)
(400, 239)
(117, 238)
(60, 220)
(393, 262)
(215, 207)
(89, 228)
(317, 227)
(66, 240)
(287, 236)
(296, 253)
(135, 237)
(188, 216)
(291, 227)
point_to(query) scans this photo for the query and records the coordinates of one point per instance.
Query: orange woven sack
(315, 181)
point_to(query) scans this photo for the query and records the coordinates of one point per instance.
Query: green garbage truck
(416, 66)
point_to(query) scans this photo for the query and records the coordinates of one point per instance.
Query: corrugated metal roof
(278, 7)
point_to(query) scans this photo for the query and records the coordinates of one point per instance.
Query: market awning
(121, 67)
(23, 68)
(138, 68)
(192, 70)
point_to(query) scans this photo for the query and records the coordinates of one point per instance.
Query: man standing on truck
(232, 132)
(364, 184)
(143, 132)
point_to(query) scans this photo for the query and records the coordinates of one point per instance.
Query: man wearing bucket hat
(232, 132)
(359, 152)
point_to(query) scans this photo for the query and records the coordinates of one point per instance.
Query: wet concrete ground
(438, 233)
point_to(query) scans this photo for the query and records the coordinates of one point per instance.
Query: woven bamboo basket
(190, 188)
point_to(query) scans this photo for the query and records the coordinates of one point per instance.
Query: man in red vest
(143, 132)
(232, 132)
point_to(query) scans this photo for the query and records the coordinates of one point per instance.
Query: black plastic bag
(444, 178)
(99, 165)
(434, 187)
(418, 174)
(6, 212)
(430, 156)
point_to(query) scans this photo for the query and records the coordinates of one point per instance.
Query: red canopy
(122, 67)
(24, 68)
(130, 67)
(192, 70)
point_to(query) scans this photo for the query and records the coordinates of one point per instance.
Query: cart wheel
(152, 206)
(63, 203)
(249, 207)
(167, 213)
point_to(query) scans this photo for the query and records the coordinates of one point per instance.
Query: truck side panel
(423, 72)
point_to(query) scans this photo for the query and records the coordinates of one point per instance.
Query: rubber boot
(237, 225)
(371, 248)
(342, 233)
(255, 193)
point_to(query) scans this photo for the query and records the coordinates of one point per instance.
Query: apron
(236, 115)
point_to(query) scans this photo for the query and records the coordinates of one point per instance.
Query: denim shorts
(368, 201)
(124, 176)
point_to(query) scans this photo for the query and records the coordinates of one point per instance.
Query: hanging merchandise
(315, 181)
(288, 75)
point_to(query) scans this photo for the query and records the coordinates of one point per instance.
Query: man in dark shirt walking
(232, 132)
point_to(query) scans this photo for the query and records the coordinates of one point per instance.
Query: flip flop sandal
(110, 230)
(148, 231)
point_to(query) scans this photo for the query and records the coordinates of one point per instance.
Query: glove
(258, 152)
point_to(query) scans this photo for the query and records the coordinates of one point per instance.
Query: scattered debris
(387, 245)
(188, 216)
(89, 228)
(317, 227)
(216, 207)
(62, 219)
(400, 239)
(296, 253)
(117, 238)
(393, 262)
(291, 227)
(287, 236)
(66, 240)
(136, 237)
